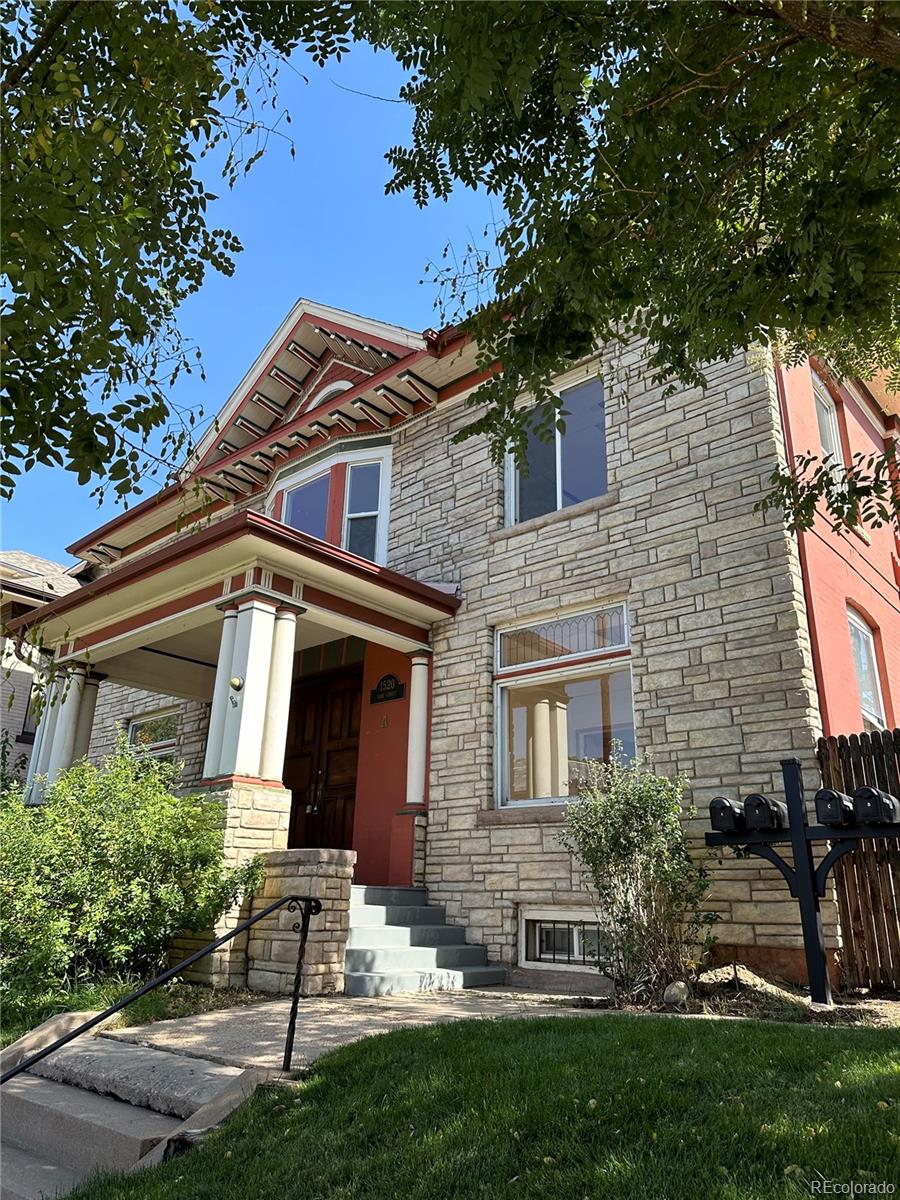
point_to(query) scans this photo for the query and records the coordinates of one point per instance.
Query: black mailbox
(874, 807)
(726, 816)
(833, 808)
(762, 812)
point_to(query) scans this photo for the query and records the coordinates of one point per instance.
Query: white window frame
(570, 666)
(511, 467)
(529, 913)
(380, 513)
(289, 479)
(155, 749)
(822, 397)
(857, 620)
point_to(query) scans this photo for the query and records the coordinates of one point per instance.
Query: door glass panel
(583, 444)
(537, 489)
(365, 480)
(306, 507)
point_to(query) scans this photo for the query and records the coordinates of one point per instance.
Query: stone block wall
(272, 950)
(722, 667)
(117, 705)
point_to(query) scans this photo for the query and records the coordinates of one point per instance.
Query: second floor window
(829, 429)
(568, 468)
(344, 502)
(865, 664)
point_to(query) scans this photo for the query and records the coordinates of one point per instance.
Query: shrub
(101, 876)
(626, 830)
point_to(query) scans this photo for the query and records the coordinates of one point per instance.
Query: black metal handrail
(309, 907)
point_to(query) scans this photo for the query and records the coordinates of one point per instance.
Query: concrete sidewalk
(253, 1035)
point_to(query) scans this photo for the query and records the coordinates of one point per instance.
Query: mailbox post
(763, 823)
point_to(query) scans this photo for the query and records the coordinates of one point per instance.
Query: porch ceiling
(166, 602)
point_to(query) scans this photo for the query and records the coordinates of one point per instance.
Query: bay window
(343, 500)
(563, 699)
(567, 468)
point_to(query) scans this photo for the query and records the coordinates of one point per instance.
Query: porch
(315, 665)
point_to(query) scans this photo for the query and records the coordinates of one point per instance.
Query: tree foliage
(707, 175)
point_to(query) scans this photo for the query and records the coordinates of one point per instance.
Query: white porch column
(543, 763)
(63, 747)
(417, 741)
(86, 717)
(219, 709)
(278, 701)
(40, 746)
(246, 710)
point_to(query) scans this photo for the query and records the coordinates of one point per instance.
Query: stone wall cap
(309, 857)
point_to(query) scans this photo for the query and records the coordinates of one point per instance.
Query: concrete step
(396, 914)
(167, 1083)
(414, 958)
(25, 1176)
(364, 894)
(387, 983)
(378, 936)
(85, 1131)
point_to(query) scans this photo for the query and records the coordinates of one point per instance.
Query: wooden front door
(320, 760)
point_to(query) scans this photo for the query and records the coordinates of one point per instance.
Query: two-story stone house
(368, 636)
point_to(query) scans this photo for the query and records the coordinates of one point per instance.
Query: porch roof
(179, 587)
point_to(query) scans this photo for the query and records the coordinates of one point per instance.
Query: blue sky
(318, 226)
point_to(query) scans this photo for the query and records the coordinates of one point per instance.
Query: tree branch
(58, 18)
(878, 39)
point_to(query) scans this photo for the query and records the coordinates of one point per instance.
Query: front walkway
(253, 1035)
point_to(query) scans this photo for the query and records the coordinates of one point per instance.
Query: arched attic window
(327, 393)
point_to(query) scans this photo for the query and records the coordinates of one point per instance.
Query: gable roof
(32, 580)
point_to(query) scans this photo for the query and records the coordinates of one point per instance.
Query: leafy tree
(708, 175)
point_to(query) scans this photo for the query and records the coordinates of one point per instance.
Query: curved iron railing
(308, 908)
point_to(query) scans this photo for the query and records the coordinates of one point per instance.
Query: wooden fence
(868, 879)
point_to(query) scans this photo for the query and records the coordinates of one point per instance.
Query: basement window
(561, 939)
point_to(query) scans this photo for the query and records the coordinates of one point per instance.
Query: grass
(607, 1107)
(24, 1010)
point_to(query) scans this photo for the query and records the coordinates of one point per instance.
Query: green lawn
(606, 1107)
(24, 1010)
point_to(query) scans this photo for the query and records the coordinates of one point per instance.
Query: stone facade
(272, 951)
(117, 705)
(721, 659)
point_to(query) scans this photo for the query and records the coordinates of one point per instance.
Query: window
(829, 429)
(560, 938)
(306, 507)
(29, 727)
(865, 663)
(568, 468)
(361, 509)
(345, 502)
(563, 698)
(155, 734)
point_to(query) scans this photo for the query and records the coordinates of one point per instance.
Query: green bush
(101, 876)
(626, 829)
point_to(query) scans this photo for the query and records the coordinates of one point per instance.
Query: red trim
(360, 612)
(278, 506)
(100, 534)
(467, 381)
(804, 558)
(171, 609)
(585, 660)
(334, 517)
(232, 528)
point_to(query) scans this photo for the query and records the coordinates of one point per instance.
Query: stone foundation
(272, 948)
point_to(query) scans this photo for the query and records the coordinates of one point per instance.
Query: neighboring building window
(155, 734)
(560, 938)
(345, 502)
(865, 664)
(29, 727)
(568, 468)
(829, 429)
(563, 698)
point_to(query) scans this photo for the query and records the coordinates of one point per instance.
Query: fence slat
(867, 881)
